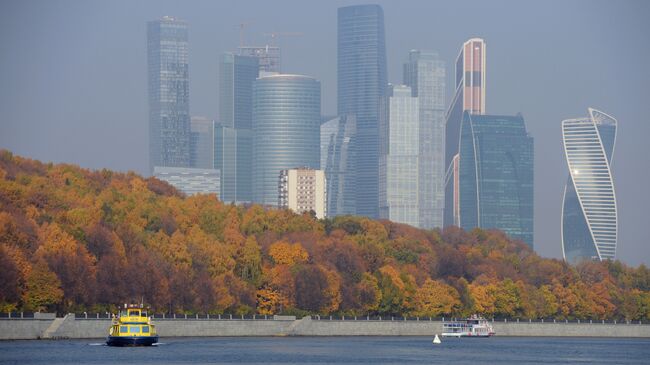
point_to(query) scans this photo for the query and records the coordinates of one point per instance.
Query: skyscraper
(398, 160)
(496, 175)
(201, 143)
(469, 96)
(190, 180)
(233, 135)
(286, 130)
(425, 73)
(169, 100)
(236, 76)
(589, 215)
(362, 79)
(268, 56)
(337, 160)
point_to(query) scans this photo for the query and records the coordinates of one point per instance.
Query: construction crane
(275, 35)
(242, 25)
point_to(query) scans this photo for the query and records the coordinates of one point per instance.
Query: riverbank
(72, 327)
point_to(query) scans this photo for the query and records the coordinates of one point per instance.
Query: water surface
(335, 350)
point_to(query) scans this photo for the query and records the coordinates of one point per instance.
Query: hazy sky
(73, 77)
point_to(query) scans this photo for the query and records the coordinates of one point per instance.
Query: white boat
(474, 326)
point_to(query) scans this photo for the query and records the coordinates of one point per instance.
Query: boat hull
(131, 340)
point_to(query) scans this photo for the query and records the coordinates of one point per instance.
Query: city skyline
(503, 98)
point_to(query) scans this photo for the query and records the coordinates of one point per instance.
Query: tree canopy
(73, 239)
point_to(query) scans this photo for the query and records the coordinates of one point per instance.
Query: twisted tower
(589, 217)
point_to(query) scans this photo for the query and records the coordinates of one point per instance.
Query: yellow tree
(284, 253)
(43, 288)
(434, 299)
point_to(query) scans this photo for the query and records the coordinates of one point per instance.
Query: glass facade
(201, 143)
(169, 104)
(286, 130)
(190, 181)
(398, 162)
(469, 96)
(589, 215)
(425, 74)
(337, 159)
(362, 79)
(236, 77)
(237, 74)
(496, 175)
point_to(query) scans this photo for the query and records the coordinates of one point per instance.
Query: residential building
(589, 214)
(303, 190)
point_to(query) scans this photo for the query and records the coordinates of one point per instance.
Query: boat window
(123, 314)
(134, 329)
(145, 329)
(124, 329)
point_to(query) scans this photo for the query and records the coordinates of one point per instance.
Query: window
(134, 329)
(124, 329)
(145, 329)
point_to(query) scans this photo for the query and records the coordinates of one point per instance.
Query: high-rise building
(201, 143)
(425, 73)
(589, 215)
(233, 135)
(303, 190)
(337, 160)
(496, 175)
(362, 80)
(268, 56)
(169, 93)
(470, 97)
(328, 131)
(236, 76)
(398, 160)
(190, 181)
(286, 130)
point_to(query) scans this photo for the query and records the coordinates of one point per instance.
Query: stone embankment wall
(71, 327)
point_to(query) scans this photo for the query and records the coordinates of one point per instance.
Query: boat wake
(97, 344)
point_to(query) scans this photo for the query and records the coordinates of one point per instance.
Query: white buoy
(436, 340)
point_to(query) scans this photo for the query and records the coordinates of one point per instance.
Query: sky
(73, 77)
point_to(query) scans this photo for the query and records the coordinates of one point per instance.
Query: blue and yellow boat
(132, 327)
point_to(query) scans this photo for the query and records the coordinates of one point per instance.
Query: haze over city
(73, 78)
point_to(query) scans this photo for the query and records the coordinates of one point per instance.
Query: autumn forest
(74, 240)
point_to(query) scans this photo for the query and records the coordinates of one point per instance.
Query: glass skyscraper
(399, 154)
(589, 215)
(201, 143)
(337, 159)
(236, 76)
(469, 96)
(233, 134)
(169, 93)
(362, 79)
(496, 175)
(425, 73)
(286, 130)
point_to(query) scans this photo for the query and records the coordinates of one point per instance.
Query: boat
(436, 340)
(474, 326)
(132, 327)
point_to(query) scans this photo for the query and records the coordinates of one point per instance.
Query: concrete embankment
(71, 327)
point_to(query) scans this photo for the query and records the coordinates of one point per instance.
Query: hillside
(73, 239)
